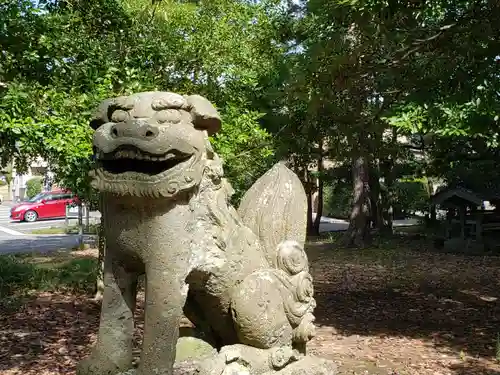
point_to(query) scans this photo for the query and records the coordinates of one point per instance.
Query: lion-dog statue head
(152, 144)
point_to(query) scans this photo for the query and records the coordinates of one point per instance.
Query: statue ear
(205, 116)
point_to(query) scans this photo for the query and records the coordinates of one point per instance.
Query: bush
(411, 196)
(34, 186)
(92, 229)
(337, 199)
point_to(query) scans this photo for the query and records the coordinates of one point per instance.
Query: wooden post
(448, 225)
(479, 224)
(462, 222)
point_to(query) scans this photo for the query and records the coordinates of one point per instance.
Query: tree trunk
(303, 172)
(389, 204)
(433, 216)
(431, 223)
(310, 189)
(358, 233)
(310, 223)
(390, 179)
(319, 211)
(376, 204)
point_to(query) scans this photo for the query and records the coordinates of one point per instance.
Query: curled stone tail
(275, 209)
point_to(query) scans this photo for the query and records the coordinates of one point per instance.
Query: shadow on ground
(382, 311)
(48, 334)
(449, 303)
(52, 333)
(473, 368)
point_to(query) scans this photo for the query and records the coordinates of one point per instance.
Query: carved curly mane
(215, 217)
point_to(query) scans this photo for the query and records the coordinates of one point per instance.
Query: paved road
(9, 228)
(329, 224)
(40, 243)
(15, 237)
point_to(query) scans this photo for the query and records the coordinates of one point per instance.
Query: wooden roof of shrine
(461, 196)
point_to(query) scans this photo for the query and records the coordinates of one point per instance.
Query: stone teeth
(120, 154)
(139, 155)
(166, 157)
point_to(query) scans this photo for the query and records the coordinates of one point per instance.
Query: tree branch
(442, 32)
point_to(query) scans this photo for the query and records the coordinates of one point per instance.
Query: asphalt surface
(16, 237)
(8, 227)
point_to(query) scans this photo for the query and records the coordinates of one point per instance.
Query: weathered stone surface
(193, 348)
(246, 288)
(180, 368)
(275, 209)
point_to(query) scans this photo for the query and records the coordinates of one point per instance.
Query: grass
(51, 230)
(93, 228)
(22, 274)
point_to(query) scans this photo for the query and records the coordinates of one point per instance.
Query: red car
(46, 205)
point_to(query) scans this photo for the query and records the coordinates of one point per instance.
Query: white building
(38, 167)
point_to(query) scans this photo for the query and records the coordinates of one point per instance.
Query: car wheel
(30, 216)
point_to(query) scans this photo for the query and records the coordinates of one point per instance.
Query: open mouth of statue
(132, 159)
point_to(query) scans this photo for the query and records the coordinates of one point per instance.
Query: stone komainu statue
(240, 277)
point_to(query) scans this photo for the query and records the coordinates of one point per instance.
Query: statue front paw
(99, 365)
(307, 365)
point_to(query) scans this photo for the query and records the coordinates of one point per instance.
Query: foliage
(34, 186)
(412, 195)
(245, 148)
(58, 67)
(360, 69)
(7, 174)
(325, 79)
(19, 274)
(338, 199)
(73, 229)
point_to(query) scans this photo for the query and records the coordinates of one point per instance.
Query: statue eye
(168, 115)
(119, 115)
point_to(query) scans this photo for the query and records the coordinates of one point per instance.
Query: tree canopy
(62, 58)
(331, 86)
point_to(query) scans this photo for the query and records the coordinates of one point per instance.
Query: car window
(66, 196)
(37, 198)
(54, 197)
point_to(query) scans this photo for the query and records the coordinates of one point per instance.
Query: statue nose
(134, 129)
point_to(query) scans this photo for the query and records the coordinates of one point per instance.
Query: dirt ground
(382, 311)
